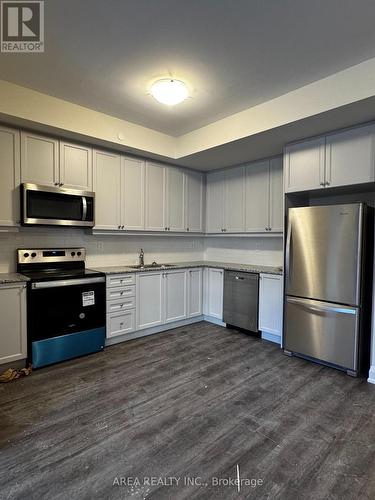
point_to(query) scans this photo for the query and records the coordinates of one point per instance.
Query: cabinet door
(304, 165)
(215, 202)
(107, 176)
(276, 209)
(13, 345)
(75, 166)
(257, 197)
(39, 159)
(350, 157)
(175, 202)
(149, 299)
(234, 200)
(215, 290)
(194, 201)
(271, 304)
(175, 295)
(133, 193)
(195, 292)
(155, 197)
(10, 176)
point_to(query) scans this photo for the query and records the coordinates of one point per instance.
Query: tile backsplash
(245, 250)
(122, 250)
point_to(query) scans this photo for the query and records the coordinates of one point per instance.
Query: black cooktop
(59, 274)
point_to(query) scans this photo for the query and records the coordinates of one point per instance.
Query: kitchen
(176, 284)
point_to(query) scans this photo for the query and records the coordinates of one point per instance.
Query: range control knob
(79, 254)
(33, 255)
(26, 254)
(72, 254)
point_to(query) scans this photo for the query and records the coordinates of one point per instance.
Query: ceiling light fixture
(169, 91)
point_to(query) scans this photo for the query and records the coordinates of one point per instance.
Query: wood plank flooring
(193, 402)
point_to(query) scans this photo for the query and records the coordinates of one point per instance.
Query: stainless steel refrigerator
(326, 310)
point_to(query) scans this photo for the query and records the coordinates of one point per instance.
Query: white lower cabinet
(120, 323)
(149, 299)
(195, 292)
(214, 291)
(175, 295)
(271, 306)
(13, 343)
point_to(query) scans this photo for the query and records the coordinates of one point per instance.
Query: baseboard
(271, 337)
(151, 331)
(371, 375)
(213, 320)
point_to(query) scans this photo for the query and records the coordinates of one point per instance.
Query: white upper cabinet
(215, 202)
(107, 187)
(175, 199)
(155, 197)
(39, 159)
(75, 166)
(257, 197)
(10, 176)
(175, 295)
(194, 201)
(195, 292)
(276, 207)
(234, 200)
(271, 305)
(350, 157)
(304, 165)
(150, 299)
(133, 193)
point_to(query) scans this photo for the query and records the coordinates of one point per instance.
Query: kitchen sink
(154, 265)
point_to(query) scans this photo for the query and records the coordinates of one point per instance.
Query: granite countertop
(250, 268)
(12, 278)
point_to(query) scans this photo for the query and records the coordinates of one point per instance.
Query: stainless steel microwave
(45, 205)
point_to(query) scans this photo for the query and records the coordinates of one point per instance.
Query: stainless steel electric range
(65, 305)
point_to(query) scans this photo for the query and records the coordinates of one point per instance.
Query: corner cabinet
(271, 306)
(13, 340)
(10, 177)
(342, 158)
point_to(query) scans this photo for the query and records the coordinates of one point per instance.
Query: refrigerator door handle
(288, 252)
(314, 306)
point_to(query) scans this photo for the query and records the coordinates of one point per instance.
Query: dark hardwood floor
(193, 402)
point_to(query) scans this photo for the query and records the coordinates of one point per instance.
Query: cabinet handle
(61, 183)
(118, 227)
(322, 184)
(327, 183)
(187, 229)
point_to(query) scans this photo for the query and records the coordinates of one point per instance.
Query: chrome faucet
(141, 258)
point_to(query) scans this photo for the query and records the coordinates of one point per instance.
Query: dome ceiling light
(169, 91)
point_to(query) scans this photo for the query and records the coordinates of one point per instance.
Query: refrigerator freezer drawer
(321, 330)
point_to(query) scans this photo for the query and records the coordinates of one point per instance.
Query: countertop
(228, 266)
(12, 278)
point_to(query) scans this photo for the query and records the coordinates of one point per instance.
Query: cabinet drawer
(120, 305)
(120, 323)
(120, 280)
(121, 292)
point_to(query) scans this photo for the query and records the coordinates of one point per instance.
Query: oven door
(44, 205)
(60, 307)
(66, 319)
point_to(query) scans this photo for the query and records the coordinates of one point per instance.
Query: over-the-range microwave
(46, 205)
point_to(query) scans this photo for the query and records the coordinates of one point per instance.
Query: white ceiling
(234, 54)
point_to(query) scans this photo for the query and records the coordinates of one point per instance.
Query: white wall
(245, 250)
(101, 250)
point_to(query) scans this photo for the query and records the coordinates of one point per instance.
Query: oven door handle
(72, 282)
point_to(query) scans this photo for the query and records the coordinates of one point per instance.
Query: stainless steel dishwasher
(241, 291)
